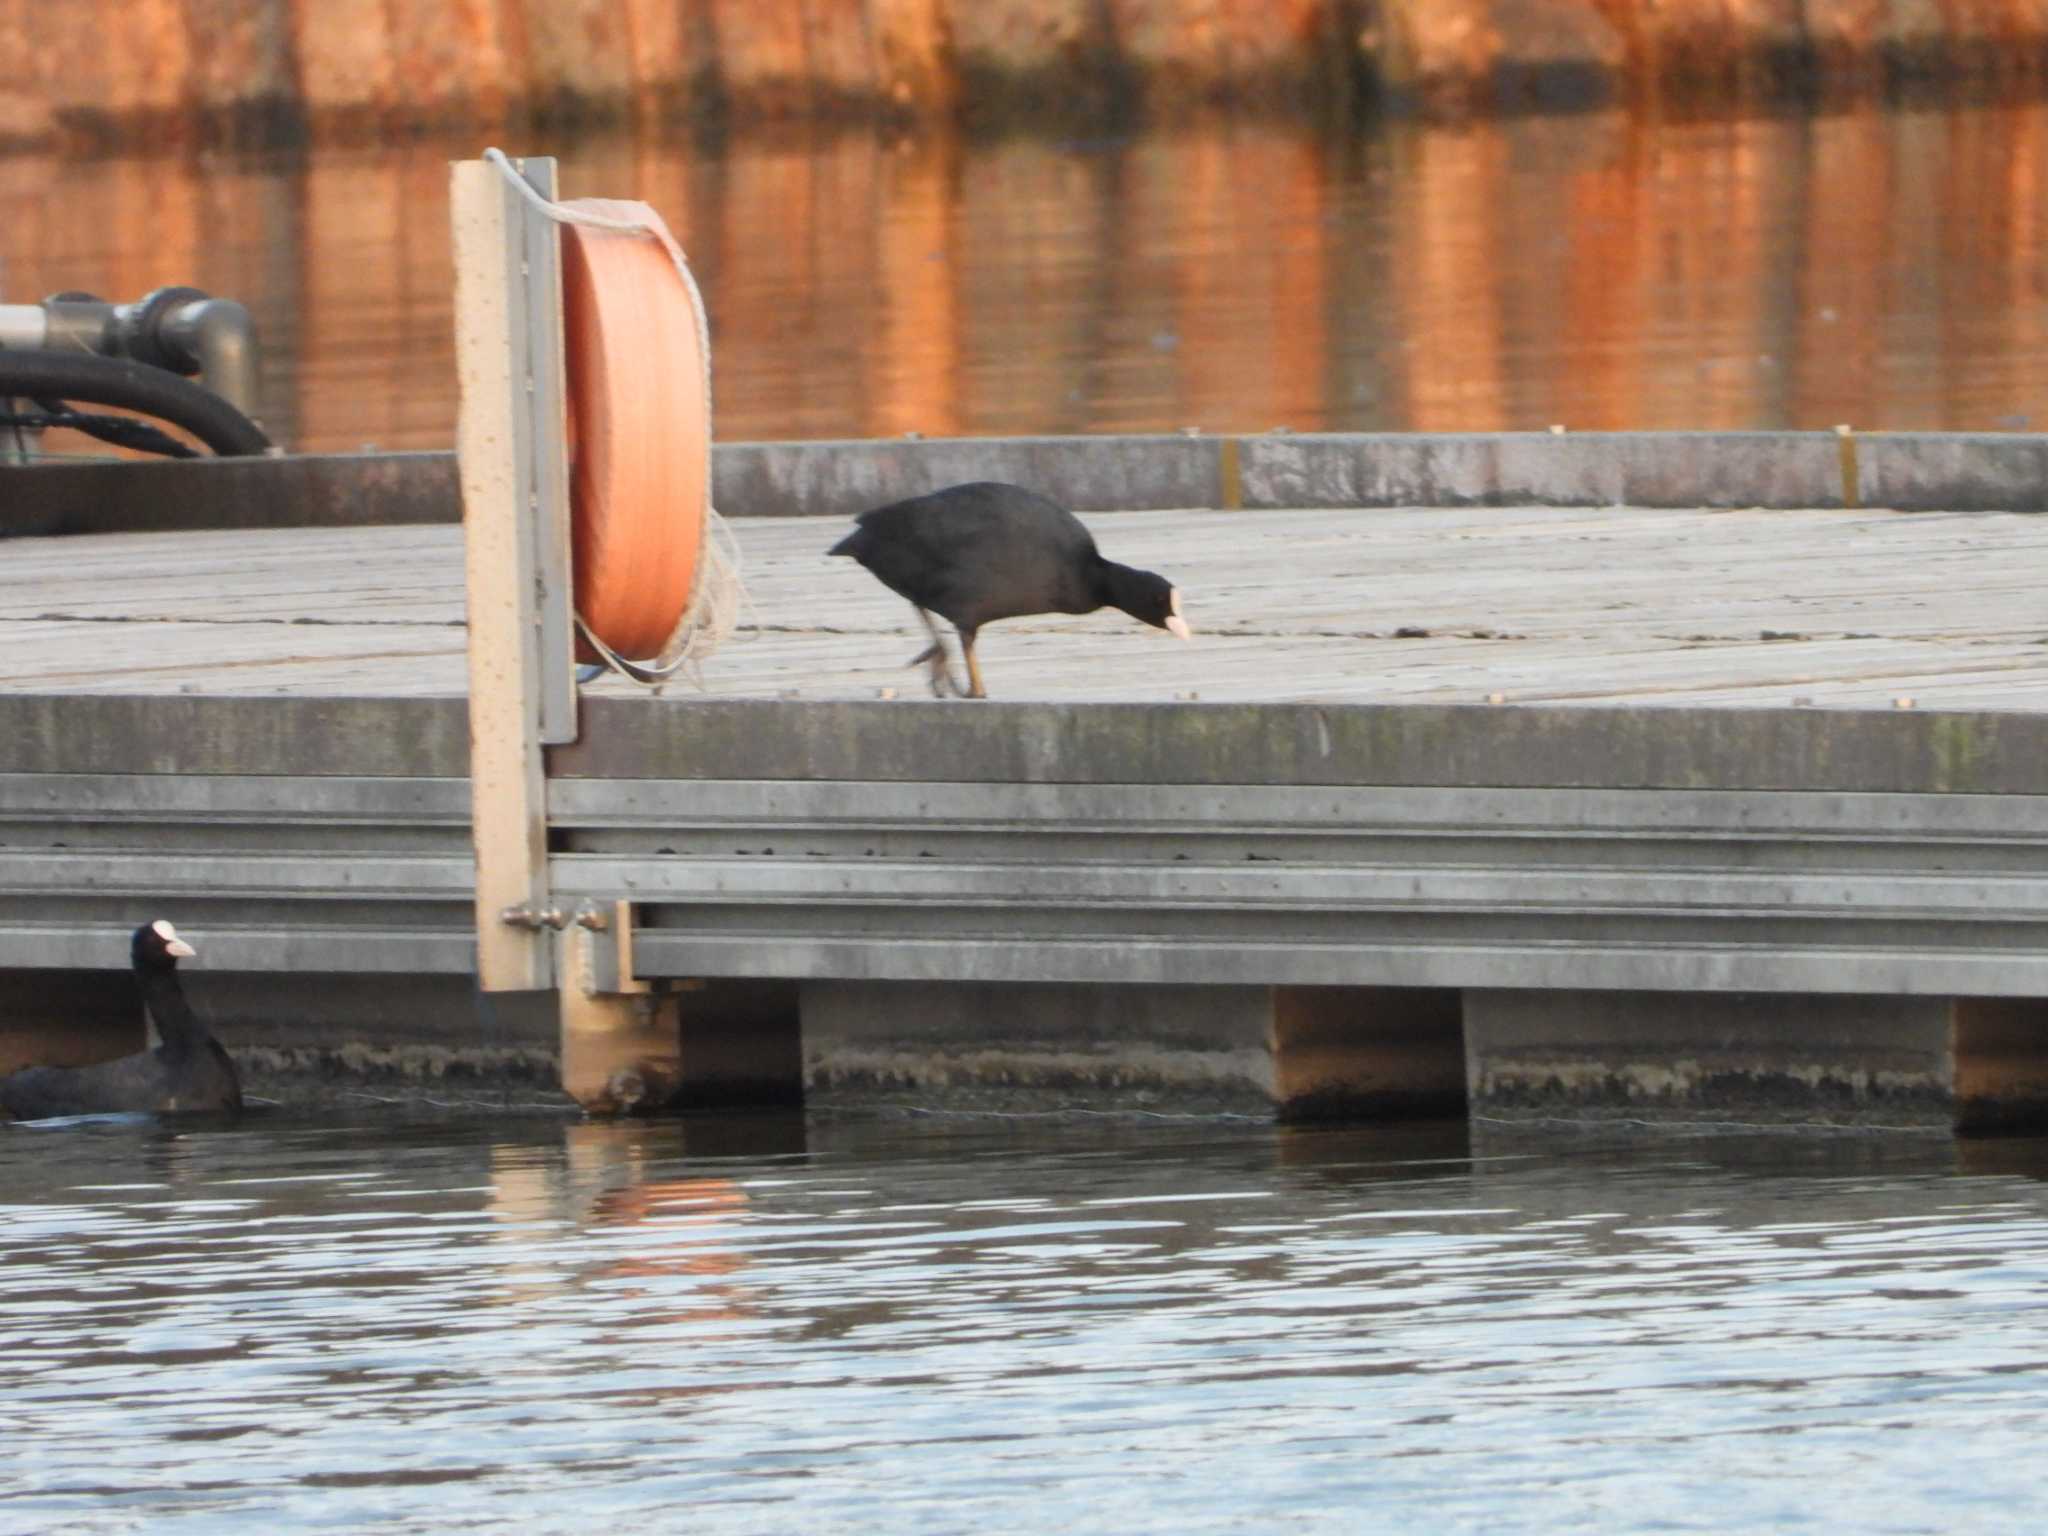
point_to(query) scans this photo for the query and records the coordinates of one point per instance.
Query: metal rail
(344, 846)
(1352, 885)
(312, 874)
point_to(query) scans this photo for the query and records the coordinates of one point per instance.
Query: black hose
(132, 386)
(121, 431)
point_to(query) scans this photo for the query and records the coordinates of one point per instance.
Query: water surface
(1889, 270)
(936, 1324)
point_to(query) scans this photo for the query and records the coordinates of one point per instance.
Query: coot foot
(943, 685)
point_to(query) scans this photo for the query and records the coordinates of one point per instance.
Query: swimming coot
(977, 553)
(187, 1071)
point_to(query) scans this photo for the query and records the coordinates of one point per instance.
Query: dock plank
(1836, 609)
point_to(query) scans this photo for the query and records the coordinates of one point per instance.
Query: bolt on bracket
(532, 919)
(598, 942)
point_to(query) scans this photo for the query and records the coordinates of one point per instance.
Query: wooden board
(1540, 605)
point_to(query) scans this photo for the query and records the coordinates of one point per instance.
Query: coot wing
(979, 552)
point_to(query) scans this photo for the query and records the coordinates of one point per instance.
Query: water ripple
(932, 1327)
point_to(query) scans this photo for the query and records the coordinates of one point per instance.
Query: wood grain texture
(1538, 605)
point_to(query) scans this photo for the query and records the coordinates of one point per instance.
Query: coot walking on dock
(977, 553)
(188, 1071)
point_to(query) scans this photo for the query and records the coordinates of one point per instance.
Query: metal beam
(534, 266)
(1531, 964)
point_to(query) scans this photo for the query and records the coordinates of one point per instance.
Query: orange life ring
(640, 431)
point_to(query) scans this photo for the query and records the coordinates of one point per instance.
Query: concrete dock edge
(1904, 471)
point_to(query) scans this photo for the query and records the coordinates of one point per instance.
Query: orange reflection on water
(1604, 271)
(1445, 268)
(609, 1185)
(688, 1208)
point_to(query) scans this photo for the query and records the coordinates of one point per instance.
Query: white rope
(716, 593)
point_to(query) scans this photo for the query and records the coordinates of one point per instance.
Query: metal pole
(23, 325)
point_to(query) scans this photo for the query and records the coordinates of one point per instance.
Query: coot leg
(943, 685)
(974, 690)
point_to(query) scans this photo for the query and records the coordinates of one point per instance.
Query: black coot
(977, 553)
(188, 1071)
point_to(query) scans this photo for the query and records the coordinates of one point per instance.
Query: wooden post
(507, 788)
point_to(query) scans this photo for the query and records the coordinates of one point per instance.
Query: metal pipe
(23, 325)
(80, 324)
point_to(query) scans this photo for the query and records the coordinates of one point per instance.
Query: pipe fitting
(219, 338)
(139, 329)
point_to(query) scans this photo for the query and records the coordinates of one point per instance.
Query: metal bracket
(621, 1037)
(600, 939)
(540, 434)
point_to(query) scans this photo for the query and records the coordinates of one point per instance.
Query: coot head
(157, 947)
(1152, 599)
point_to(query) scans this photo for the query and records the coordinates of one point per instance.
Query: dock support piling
(741, 1044)
(1371, 1053)
(2001, 1065)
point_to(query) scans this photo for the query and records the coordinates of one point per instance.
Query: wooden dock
(1757, 817)
(1539, 605)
